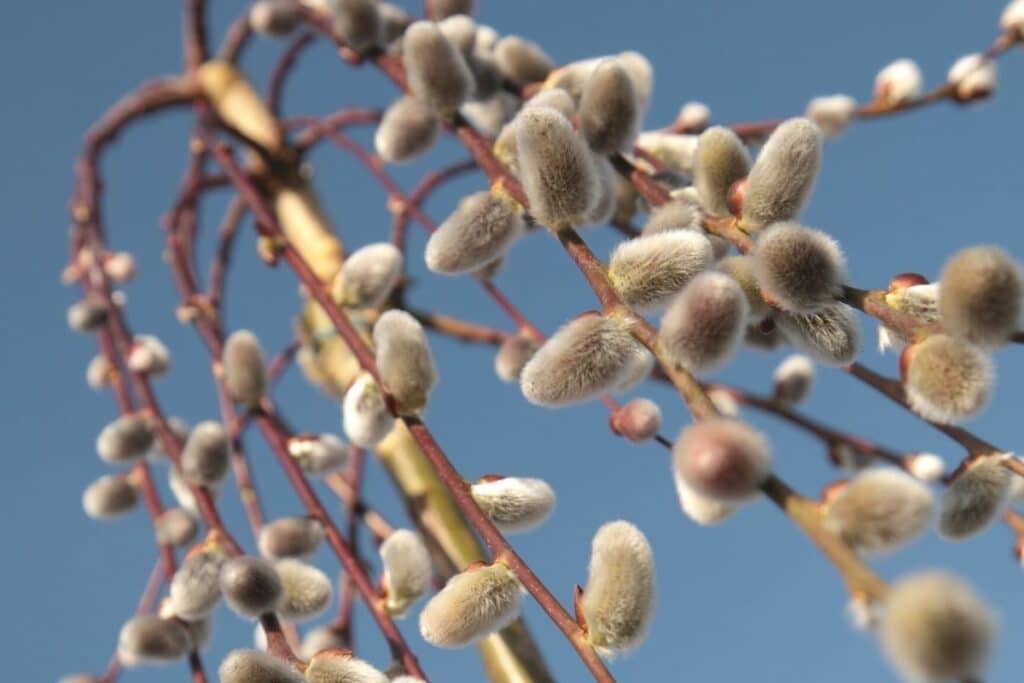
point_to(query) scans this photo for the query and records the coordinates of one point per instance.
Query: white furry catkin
(110, 496)
(608, 109)
(677, 214)
(898, 83)
(250, 585)
(521, 61)
(1012, 18)
(307, 590)
(364, 413)
(252, 666)
(649, 270)
(244, 373)
(473, 604)
(676, 152)
(148, 639)
(404, 360)
(721, 160)
(701, 509)
(513, 354)
(831, 336)
(368, 276)
(783, 176)
(273, 18)
(927, 467)
(340, 666)
(481, 229)
(149, 356)
(204, 458)
(974, 76)
(638, 420)
(297, 537)
(639, 366)
(618, 601)
(320, 639)
(98, 372)
(320, 456)
(936, 628)
(556, 168)
(974, 499)
(722, 458)
(358, 22)
(947, 380)
(832, 113)
(514, 504)
(437, 73)
(793, 379)
(407, 130)
(980, 296)
(87, 315)
(406, 570)
(704, 324)
(606, 202)
(125, 439)
(195, 588)
(880, 510)
(176, 527)
(584, 358)
(800, 269)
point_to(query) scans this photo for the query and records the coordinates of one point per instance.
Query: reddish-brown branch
(225, 243)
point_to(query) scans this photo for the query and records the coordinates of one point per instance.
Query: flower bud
(980, 296)
(514, 504)
(125, 439)
(639, 366)
(407, 130)
(148, 639)
(705, 323)
(935, 628)
(947, 380)
(830, 336)
(406, 568)
(1012, 18)
(794, 378)
(832, 113)
(783, 176)
(722, 458)
(119, 266)
(608, 109)
(583, 359)
(693, 116)
(618, 601)
(250, 586)
(195, 588)
(307, 590)
(880, 510)
(677, 214)
(252, 666)
(720, 160)
(974, 499)
(648, 271)
(297, 537)
(741, 269)
(724, 401)
(973, 76)
(176, 527)
(204, 459)
(556, 168)
(474, 603)
(438, 75)
(441, 9)
(919, 300)
(481, 229)
(898, 83)
(320, 639)
(358, 23)
(98, 372)
(365, 416)
(340, 666)
(927, 467)
(801, 269)
(110, 496)
(149, 356)
(513, 354)
(701, 509)
(273, 18)
(244, 374)
(521, 61)
(368, 276)
(87, 315)
(404, 360)
(639, 420)
(320, 456)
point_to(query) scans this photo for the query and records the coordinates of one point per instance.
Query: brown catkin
(407, 130)
(720, 160)
(801, 269)
(481, 229)
(608, 109)
(980, 296)
(948, 380)
(704, 324)
(783, 176)
(437, 73)
(722, 458)
(244, 372)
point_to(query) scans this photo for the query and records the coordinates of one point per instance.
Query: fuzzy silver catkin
(406, 679)
(365, 416)
(244, 372)
(87, 315)
(608, 109)
(505, 147)
(149, 355)
(639, 366)
(204, 458)
(974, 499)
(340, 666)
(176, 527)
(831, 336)
(705, 323)
(648, 271)
(948, 380)
(297, 537)
(514, 504)
(481, 229)
(741, 269)
(195, 588)
(358, 22)
(783, 176)
(677, 214)
(800, 269)
(618, 601)
(98, 372)
(368, 276)
(437, 73)
(404, 360)
(638, 420)
(460, 31)
(880, 510)
(252, 666)
(720, 160)
(319, 456)
(273, 18)
(110, 496)
(606, 194)
(584, 358)
(832, 113)
(406, 570)
(556, 168)
(250, 585)
(441, 9)
(307, 590)
(148, 639)
(722, 458)
(320, 639)
(936, 628)
(125, 439)
(407, 130)
(793, 379)
(521, 61)
(699, 508)
(513, 354)
(473, 604)
(898, 82)
(980, 296)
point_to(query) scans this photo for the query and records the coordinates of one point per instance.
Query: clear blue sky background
(749, 600)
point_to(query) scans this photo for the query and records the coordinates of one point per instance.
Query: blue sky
(749, 599)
